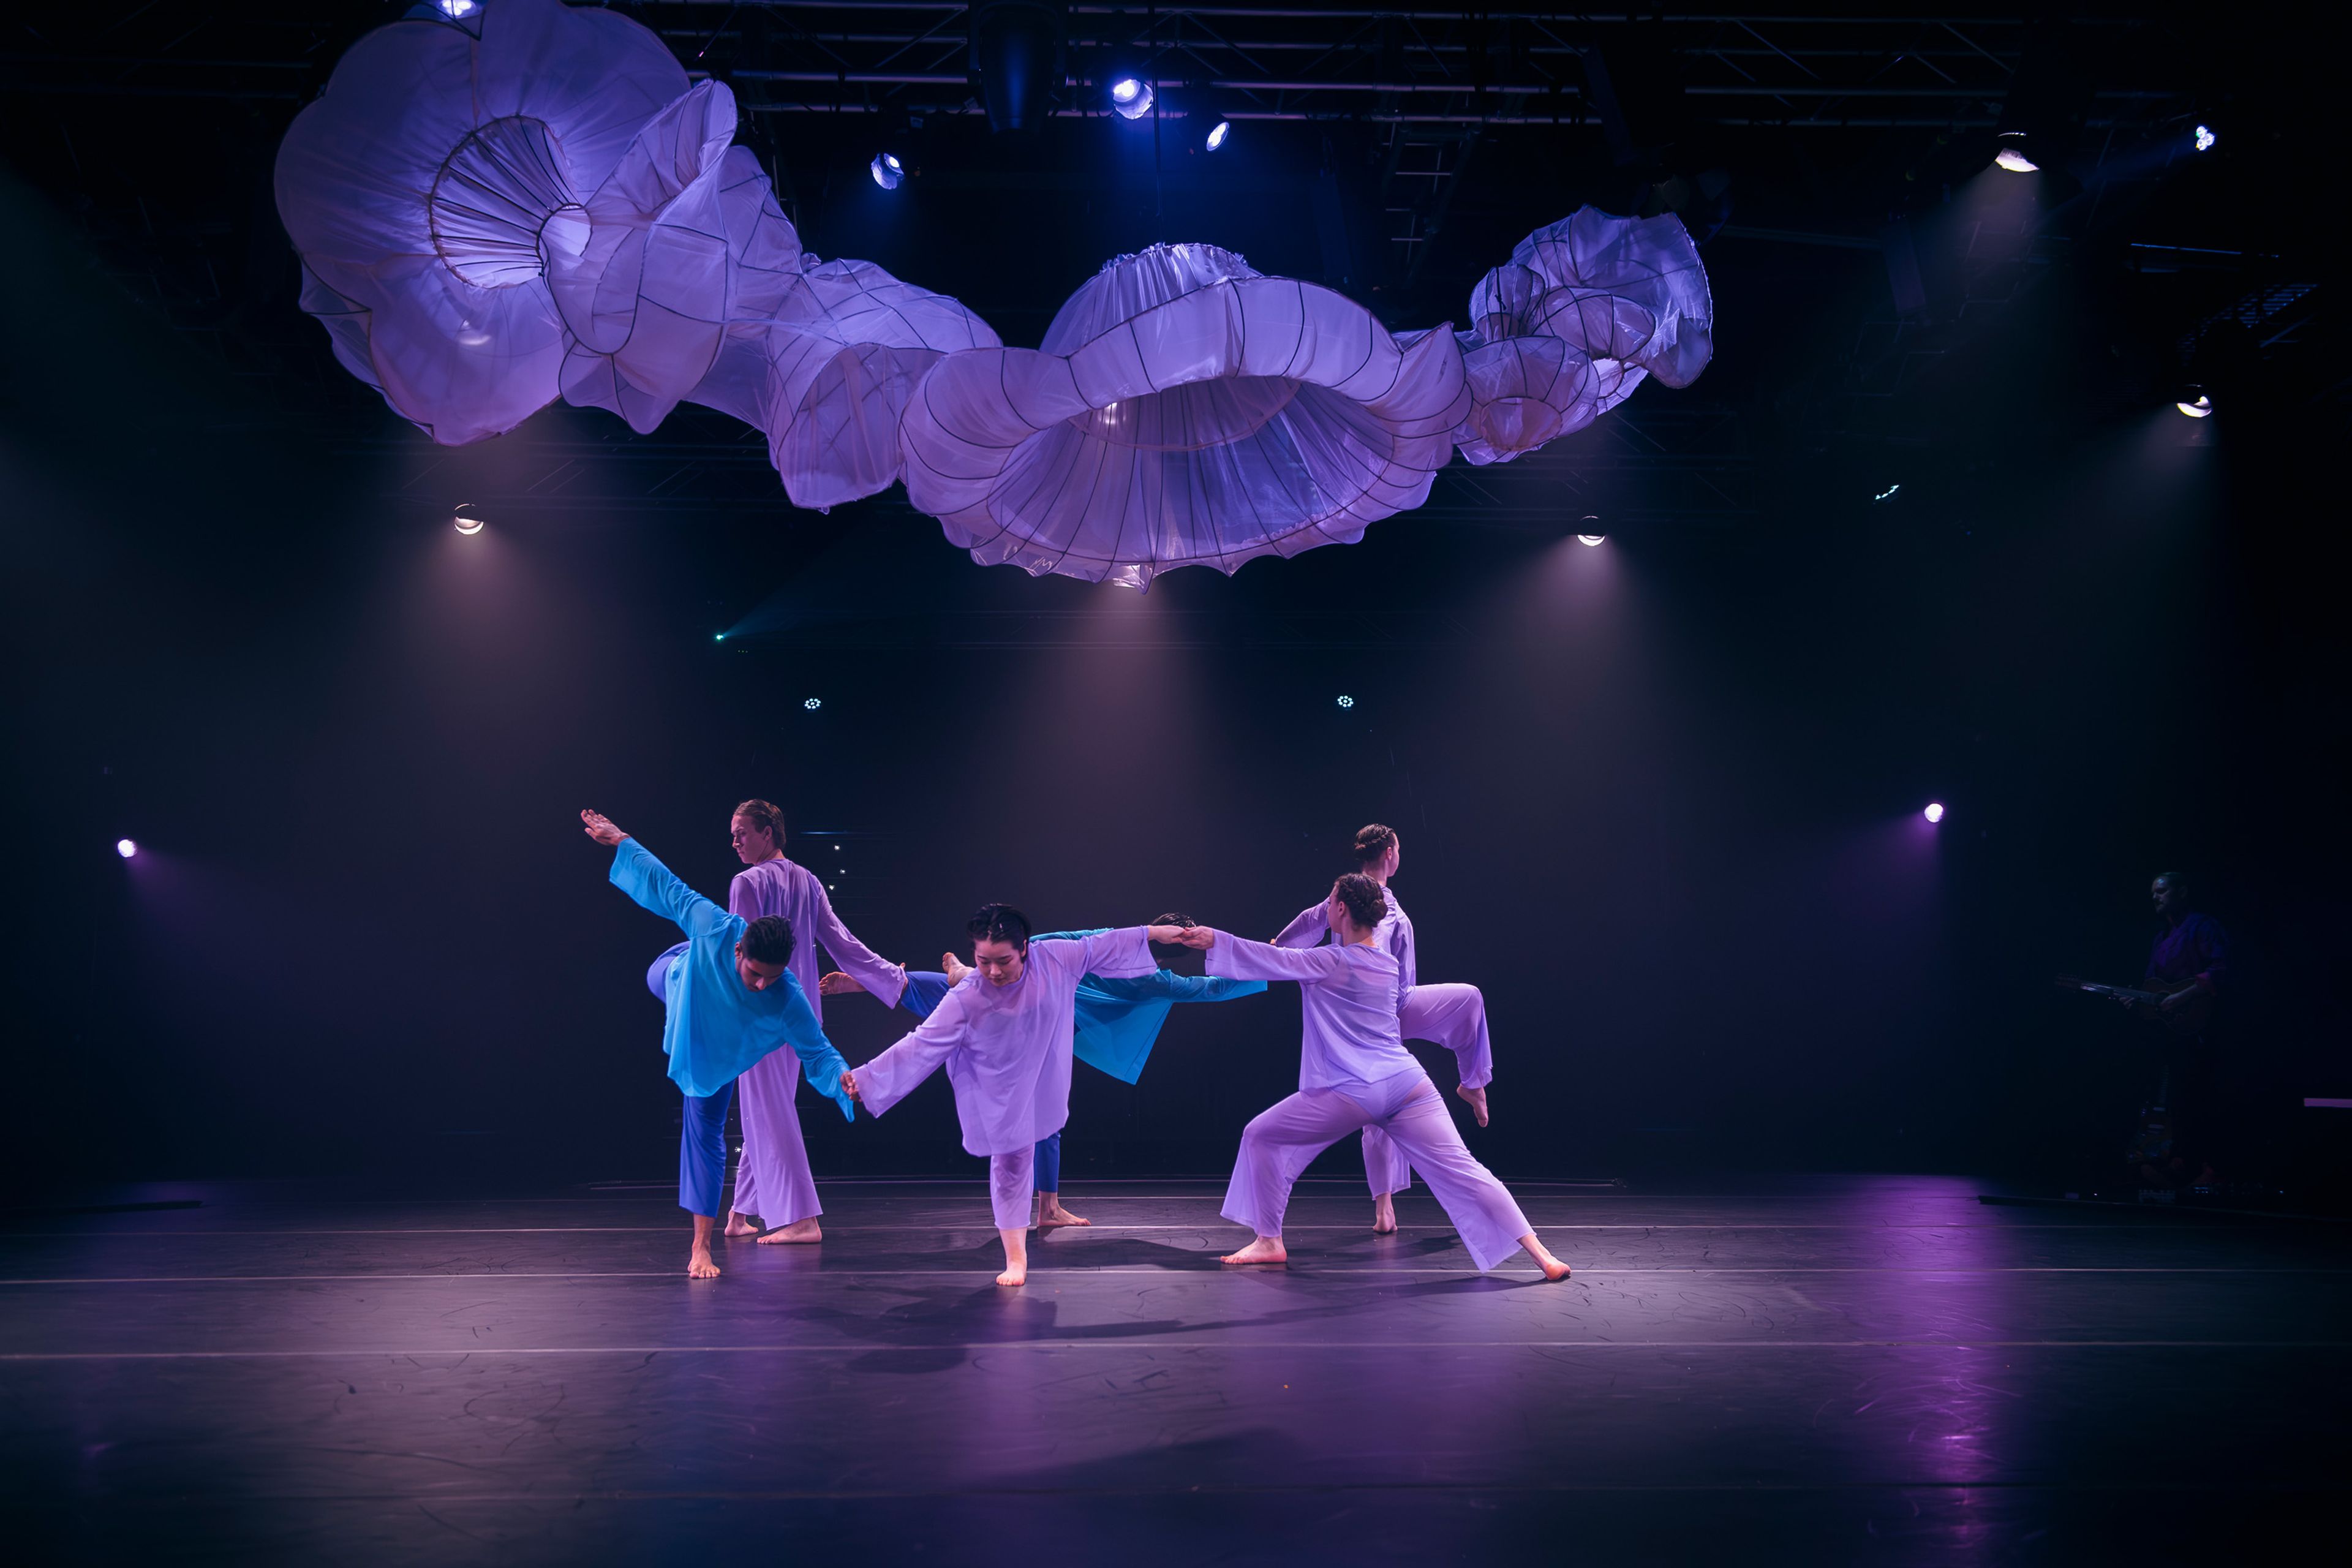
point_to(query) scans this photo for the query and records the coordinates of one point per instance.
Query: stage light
(1935, 812)
(1591, 537)
(721, 638)
(457, 10)
(2205, 139)
(887, 169)
(2201, 407)
(124, 848)
(1131, 98)
(1886, 494)
(2012, 155)
(1346, 702)
(814, 703)
(1218, 132)
(464, 520)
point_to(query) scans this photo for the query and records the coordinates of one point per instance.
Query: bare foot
(1016, 1257)
(1383, 1215)
(742, 1225)
(1264, 1249)
(1051, 1216)
(1014, 1274)
(799, 1230)
(1553, 1269)
(1478, 1099)
(699, 1264)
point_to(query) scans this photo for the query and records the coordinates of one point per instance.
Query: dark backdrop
(1660, 798)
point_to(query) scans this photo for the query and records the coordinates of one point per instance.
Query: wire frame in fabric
(431, 184)
(1564, 331)
(1182, 410)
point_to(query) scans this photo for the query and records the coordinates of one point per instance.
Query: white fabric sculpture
(1184, 410)
(536, 203)
(1566, 329)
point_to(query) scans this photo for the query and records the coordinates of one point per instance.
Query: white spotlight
(1346, 702)
(1886, 494)
(1131, 98)
(887, 169)
(813, 704)
(464, 520)
(2200, 409)
(457, 10)
(124, 848)
(1935, 812)
(1218, 134)
(2205, 139)
(2012, 155)
(1591, 537)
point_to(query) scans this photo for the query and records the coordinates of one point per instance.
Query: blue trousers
(702, 1151)
(1049, 1163)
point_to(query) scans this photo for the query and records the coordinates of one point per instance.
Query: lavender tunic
(1007, 1048)
(1393, 935)
(772, 1178)
(1347, 999)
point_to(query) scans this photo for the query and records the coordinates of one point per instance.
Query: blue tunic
(714, 1024)
(1117, 1020)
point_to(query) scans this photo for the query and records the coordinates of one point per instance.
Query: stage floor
(1869, 1370)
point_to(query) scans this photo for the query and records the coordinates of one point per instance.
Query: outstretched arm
(1312, 925)
(892, 1076)
(879, 975)
(652, 884)
(821, 1064)
(1238, 958)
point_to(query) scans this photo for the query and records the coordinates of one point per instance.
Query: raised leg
(1010, 1179)
(1279, 1142)
(1454, 1017)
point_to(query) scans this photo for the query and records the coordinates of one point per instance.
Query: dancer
(1353, 1072)
(1454, 1015)
(772, 1186)
(1117, 1022)
(1005, 1036)
(728, 998)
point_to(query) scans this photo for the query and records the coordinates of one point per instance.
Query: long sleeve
(821, 1063)
(1233, 957)
(1117, 954)
(655, 888)
(892, 1076)
(885, 979)
(1312, 924)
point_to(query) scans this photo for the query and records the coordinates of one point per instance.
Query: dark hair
(1361, 898)
(768, 940)
(1171, 918)
(999, 922)
(2174, 878)
(1372, 841)
(763, 814)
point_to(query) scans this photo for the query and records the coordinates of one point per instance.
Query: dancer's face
(755, 975)
(999, 962)
(752, 842)
(1393, 858)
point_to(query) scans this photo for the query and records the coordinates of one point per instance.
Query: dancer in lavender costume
(1454, 1015)
(1354, 1072)
(772, 1184)
(1006, 1036)
(727, 1000)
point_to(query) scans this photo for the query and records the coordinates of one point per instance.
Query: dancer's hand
(849, 1083)
(1201, 937)
(602, 828)
(837, 985)
(1168, 936)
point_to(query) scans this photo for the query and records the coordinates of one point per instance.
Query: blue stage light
(1218, 134)
(124, 848)
(813, 704)
(1346, 702)
(1886, 494)
(457, 10)
(887, 169)
(2206, 138)
(1131, 98)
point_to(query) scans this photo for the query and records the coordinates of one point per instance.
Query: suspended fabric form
(534, 202)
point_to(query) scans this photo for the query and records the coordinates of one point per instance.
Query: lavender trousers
(1456, 1018)
(771, 1177)
(1012, 1184)
(1281, 1142)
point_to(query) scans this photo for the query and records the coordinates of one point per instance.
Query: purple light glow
(1935, 812)
(124, 848)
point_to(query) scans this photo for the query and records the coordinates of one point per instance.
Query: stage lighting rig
(465, 520)
(2014, 156)
(1131, 96)
(1017, 61)
(125, 847)
(887, 171)
(1935, 812)
(2195, 404)
(2205, 139)
(1218, 134)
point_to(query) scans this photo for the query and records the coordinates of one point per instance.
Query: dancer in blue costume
(727, 1000)
(1118, 1024)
